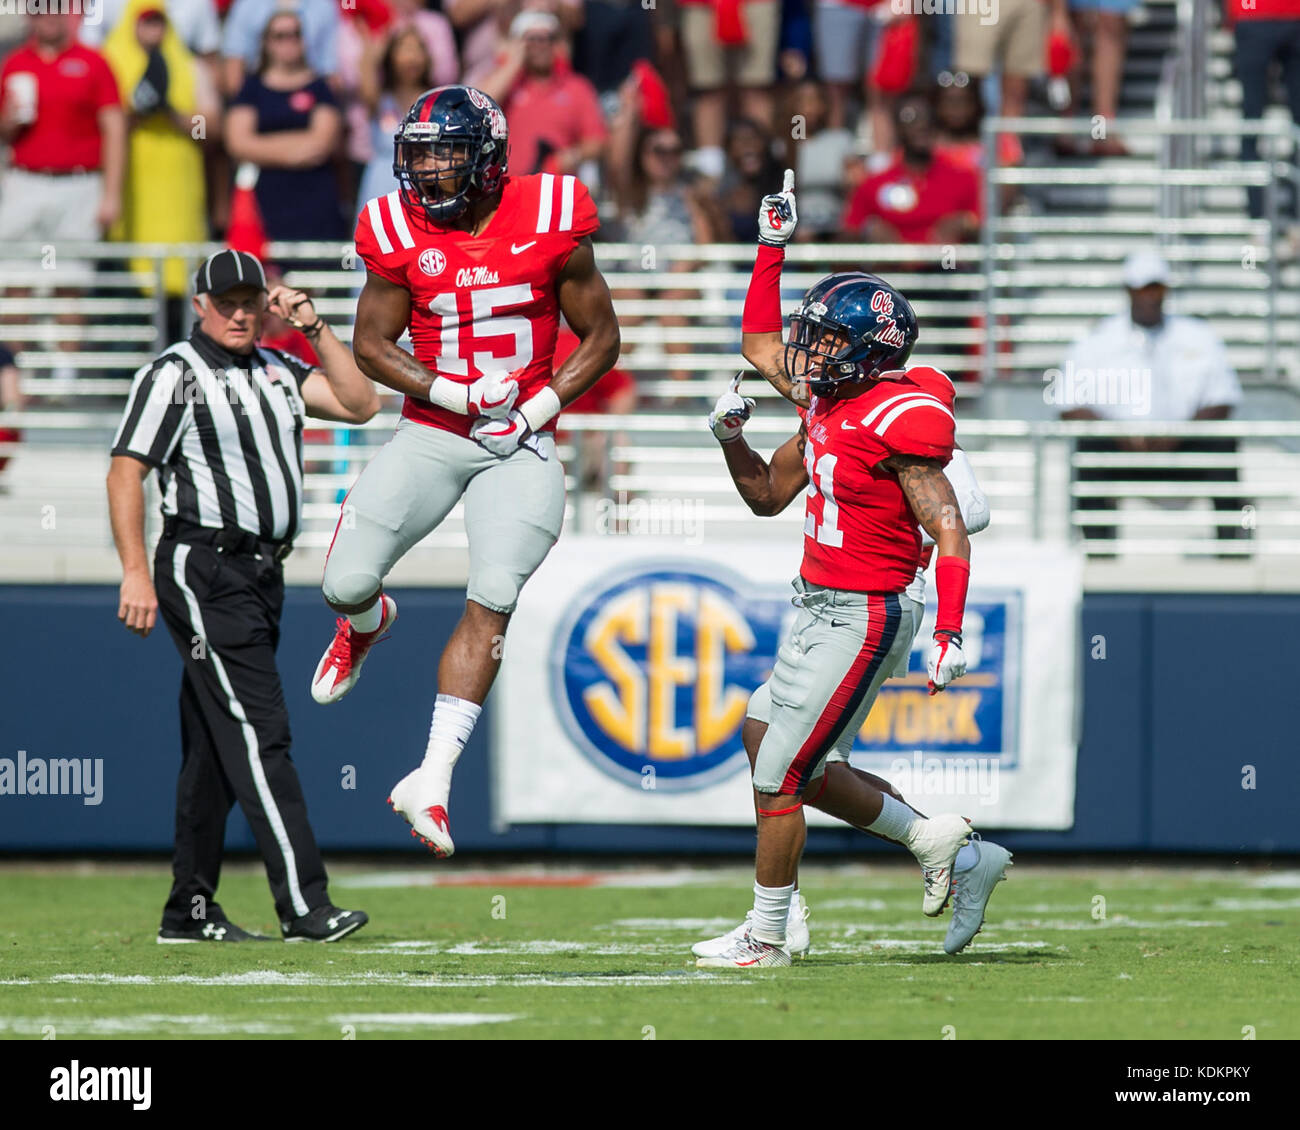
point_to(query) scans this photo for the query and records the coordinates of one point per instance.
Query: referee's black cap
(228, 269)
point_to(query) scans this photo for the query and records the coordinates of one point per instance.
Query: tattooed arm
(931, 497)
(766, 352)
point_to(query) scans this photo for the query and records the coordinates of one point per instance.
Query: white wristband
(450, 395)
(541, 409)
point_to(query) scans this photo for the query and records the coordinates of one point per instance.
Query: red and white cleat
(416, 803)
(340, 667)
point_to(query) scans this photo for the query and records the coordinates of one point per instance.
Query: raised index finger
(787, 185)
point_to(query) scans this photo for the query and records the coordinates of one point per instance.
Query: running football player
(478, 265)
(869, 456)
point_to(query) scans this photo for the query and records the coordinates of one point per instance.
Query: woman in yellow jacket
(171, 108)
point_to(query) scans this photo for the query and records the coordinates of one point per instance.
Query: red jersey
(914, 202)
(481, 303)
(859, 530)
(71, 89)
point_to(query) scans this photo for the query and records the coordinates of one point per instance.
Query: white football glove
(730, 413)
(777, 217)
(493, 395)
(502, 437)
(945, 661)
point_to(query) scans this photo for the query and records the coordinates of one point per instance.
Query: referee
(221, 421)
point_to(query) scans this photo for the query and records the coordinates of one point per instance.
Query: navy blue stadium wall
(1193, 689)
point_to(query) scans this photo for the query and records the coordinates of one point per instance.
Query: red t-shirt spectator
(71, 89)
(560, 112)
(1261, 10)
(913, 202)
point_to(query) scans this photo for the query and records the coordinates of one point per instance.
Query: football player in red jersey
(869, 457)
(478, 265)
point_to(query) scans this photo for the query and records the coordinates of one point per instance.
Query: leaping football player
(478, 265)
(869, 456)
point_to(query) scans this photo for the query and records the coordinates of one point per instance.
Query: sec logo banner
(652, 672)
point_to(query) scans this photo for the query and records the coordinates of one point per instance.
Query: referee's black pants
(223, 612)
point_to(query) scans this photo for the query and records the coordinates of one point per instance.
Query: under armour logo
(212, 930)
(333, 923)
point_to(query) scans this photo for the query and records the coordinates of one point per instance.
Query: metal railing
(618, 467)
(1006, 240)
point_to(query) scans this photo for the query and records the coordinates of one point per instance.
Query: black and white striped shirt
(224, 431)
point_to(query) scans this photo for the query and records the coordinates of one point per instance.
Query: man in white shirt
(1144, 364)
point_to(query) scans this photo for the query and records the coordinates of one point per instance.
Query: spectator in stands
(818, 152)
(1012, 45)
(659, 204)
(1265, 30)
(11, 400)
(1142, 364)
(719, 36)
(958, 112)
(556, 124)
(243, 40)
(923, 197)
(750, 171)
(163, 89)
(285, 121)
(845, 33)
(363, 44)
(615, 34)
(59, 110)
(1103, 25)
(482, 26)
(194, 21)
(389, 87)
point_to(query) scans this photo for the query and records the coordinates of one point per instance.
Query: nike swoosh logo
(839, 623)
(515, 250)
(847, 426)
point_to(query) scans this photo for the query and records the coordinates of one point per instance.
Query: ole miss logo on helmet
(882, 303)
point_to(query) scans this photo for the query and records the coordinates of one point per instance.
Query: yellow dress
(163, 198)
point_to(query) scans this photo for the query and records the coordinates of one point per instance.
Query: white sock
(771, 911)
(453, 722)
(895, 821)
(369, 620)
(966, 858)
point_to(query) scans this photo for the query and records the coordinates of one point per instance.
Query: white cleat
(971, 891)
(935, 844)
(340, 667)
(797, 940)
(424, 811)
(746, 952)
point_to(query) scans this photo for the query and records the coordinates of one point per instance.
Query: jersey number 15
(483, 323)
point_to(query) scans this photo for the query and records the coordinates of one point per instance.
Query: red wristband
(951, 578)
(762, 313)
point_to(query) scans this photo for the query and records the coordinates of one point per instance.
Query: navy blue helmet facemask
(455, 124)
(850, 327)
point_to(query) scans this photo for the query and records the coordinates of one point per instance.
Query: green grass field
(566, 951)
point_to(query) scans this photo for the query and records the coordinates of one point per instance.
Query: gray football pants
(514, 508)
